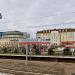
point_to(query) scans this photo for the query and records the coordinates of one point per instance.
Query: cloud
(18, 14)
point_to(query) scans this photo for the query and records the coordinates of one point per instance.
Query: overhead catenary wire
(69, 23)
(41, 25)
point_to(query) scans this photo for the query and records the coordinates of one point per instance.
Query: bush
(5, 50)
(15, 51)
(74, 53)
(37, 51)
(67, 51)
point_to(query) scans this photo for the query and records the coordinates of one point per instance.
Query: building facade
(57, 36)
(26, 35)
(10, 38)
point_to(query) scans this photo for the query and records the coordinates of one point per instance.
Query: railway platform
(39, 57)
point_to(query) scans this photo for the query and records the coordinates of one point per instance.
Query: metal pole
(26, 54)
(43, 35)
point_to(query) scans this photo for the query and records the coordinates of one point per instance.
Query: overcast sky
(23, 15)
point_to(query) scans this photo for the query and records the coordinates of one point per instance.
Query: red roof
(68, 42)
(71, 46)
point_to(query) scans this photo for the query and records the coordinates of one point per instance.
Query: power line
(51, 25)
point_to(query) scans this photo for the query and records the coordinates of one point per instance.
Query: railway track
(16, 72)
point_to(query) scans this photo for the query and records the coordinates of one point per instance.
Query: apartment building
(57, 36)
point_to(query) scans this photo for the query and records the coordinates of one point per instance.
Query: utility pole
(26, 54)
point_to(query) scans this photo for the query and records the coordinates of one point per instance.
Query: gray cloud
(18, 14)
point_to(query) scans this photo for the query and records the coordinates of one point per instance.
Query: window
(70, 35)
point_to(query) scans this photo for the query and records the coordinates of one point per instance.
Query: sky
(34, 15)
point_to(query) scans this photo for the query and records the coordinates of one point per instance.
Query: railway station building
(10, 38)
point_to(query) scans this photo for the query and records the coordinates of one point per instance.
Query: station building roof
(13, 33)
(59, 30)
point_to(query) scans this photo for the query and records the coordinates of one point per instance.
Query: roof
(13, 33)
(60, 30)
(68, 42)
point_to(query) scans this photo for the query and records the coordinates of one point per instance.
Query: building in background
(10, 38)
(26, 35)
(1, 33)
(57, 36)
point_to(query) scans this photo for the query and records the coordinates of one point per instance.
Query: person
(15, 51)
(33, 49)
(42, 50)
(50, 51)
(37, 51)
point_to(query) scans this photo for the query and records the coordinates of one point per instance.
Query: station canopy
(32, 41)
(68, 42)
